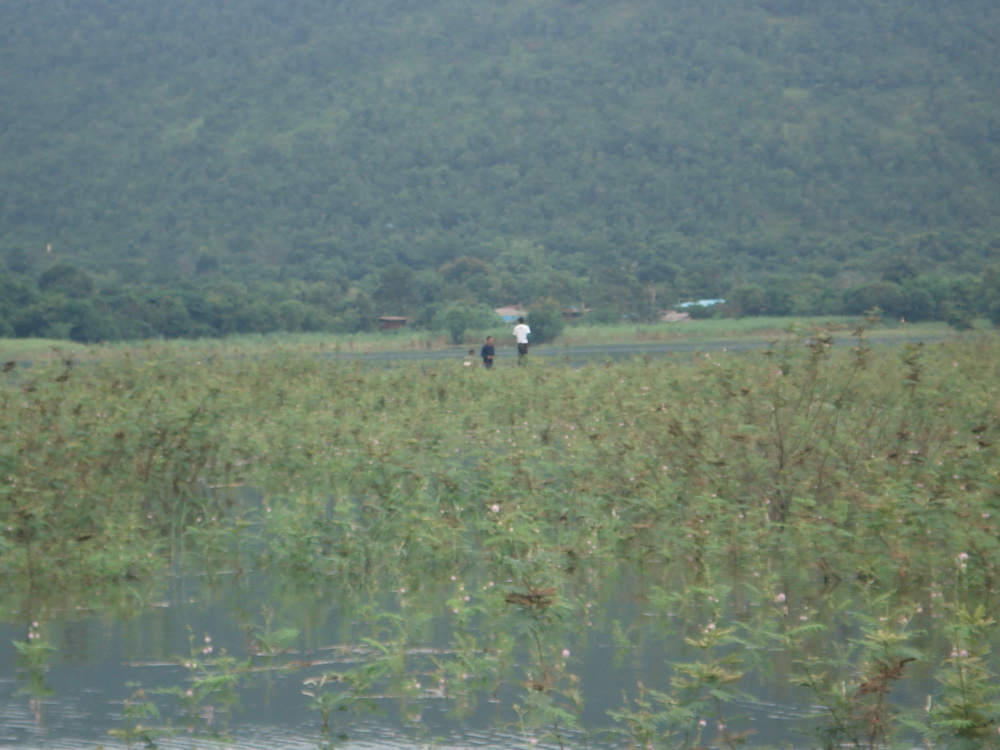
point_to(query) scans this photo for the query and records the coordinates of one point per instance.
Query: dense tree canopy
(201, 167)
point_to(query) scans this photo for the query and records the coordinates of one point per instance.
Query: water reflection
(247, 661)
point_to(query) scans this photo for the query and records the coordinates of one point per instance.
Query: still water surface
(101, 659)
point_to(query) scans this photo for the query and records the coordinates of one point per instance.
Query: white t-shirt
(521, 332)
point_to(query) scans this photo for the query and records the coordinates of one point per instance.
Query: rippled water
(59, 724)
(101, 660)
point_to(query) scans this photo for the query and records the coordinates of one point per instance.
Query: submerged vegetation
(820, 513)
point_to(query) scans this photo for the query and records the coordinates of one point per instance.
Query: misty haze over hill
(200, 167)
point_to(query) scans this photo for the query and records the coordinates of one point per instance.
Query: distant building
(510, 313)
(392, 322)
(700, 303)
(674, 316)
(574, 312)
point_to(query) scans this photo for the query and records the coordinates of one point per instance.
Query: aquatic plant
(33, 655)
(967, 713)
(137, 709)
(550, 696)
(836, 483)
(695, 707)
(211, 689)
(852, 680)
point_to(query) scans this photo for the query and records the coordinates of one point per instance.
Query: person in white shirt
(521, 333)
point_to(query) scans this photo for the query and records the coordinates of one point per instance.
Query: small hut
(392, 322)
(510, 313)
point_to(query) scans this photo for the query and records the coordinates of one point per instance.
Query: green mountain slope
(694, 144)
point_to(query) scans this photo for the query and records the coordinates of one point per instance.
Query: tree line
(64, 301)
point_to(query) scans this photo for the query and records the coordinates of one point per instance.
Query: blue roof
(701, 303)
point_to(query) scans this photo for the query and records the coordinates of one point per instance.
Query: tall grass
(725, 479)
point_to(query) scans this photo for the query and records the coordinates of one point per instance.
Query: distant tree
(358, 313)
(427, 293)
(206, 262)
(617, 296)
(520, 267)
(458, 317)
(991, 293)
(563, 286)
(462, 268)
(135, 316)
(290, 315)
(886, 295)
(919, 304)
(16, 292)
(546, 321)
(89, 323)
(256, 316)
(172, 318)
(746, 300)
(704, 312)
(656, 273)
(778, 296)
(964, 301)
(203, 314)
(958, 318)
(897, 268)
(813, 295)
(395, 290)
(224, 303)
(48, 317)
(317, 319)
(19, 261)
(773, 297)
(993, 313)
(64, 278)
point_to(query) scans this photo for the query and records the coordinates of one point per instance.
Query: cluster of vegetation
(208, 168)
(68, 303)
(820, 513)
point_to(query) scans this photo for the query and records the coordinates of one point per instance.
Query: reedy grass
(723, 478)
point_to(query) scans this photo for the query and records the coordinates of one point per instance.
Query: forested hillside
(202, 167)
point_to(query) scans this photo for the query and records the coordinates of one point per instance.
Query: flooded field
(247, 661)
(788, 548)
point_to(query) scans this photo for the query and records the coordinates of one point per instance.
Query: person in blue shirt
(488, 353)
